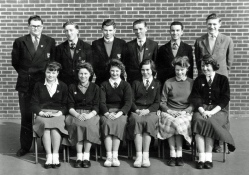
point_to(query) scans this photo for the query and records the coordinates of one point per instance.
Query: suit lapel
(114, 48)
(134, 49)
(77, 49)
(41, 47)
(217, 43)
(102, 49)
(30, 45)
(67, 49)
(206, 43)
(169, 50)
(180, 49)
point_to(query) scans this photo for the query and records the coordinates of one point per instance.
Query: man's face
(176, 32)
(71, 32)
(108, 32)
(140, 30)
(213, 26)
(35, 28)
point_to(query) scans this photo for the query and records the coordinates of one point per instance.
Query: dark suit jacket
(222, 52)
(165, 70)
(30, 64)
(82, 53)
(101, 58)
(131, 59)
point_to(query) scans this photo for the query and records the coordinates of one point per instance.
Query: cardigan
(120, 97)
(42, 100)
(146, 99)
(87, 101)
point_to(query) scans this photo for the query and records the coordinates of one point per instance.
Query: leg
(46, 139)
(108, 146)
(200, 142)
(79, 147)
(146, 147)
(115, 147)
(56, 141)
(138, 144)
(209, 143)
(179, 160)
(172, 160)
(86, 155)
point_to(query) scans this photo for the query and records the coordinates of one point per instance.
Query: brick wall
(89, 14)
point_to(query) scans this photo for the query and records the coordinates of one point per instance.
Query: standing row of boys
(112, 60)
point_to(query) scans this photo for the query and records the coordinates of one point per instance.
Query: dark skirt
(216, 127)
(82, 130)
(113, 127)
(42, 123)
(142, 124)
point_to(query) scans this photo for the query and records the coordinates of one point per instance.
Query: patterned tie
(36, 42)
(72, 46)
(147, 84)
(209, 81)
(115, 85)
(175, 46)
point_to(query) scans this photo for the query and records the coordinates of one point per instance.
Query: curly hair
(86, 66)
(118, 64)
(182, 61)
(208, 59)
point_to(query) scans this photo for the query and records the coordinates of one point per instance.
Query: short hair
(213, 16)
(140, 21)
(182, 61)
(176, 23)
(34, 18)
(53, 66)
(146, 62)
(109, 22)
(208, 59)
(70, 23)
(86, 66)
(117, 63)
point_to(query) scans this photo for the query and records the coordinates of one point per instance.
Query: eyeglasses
(38, 27)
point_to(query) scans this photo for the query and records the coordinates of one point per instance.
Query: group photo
(135, 92)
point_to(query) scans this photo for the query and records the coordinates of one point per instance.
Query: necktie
(209, 81)
(72, 46)
(175, 46)
(36, 42)
(115, 85)
(147, 84)
(211, 42)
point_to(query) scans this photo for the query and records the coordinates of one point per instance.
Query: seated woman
(49, 101)
(210, 96)
(175, 118)
(143, 119)
(83, 121)
(115, 103)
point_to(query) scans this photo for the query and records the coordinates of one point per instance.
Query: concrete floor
(236, 163)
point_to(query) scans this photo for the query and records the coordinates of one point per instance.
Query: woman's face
(146, 71)
(115, 72)
(84, 75)
(180, 71)
(51, 75)
(207, 69)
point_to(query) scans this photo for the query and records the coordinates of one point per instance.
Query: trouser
(26, 134)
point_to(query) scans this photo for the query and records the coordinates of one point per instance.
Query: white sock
(178, 153)
(108, 154)
(86, 156)
(114, 154)
(172, 153)
(208, 157)
(49, 159)
(79, 156)
(146, 155)
(56, 158)
(202, 157)
(139, 155)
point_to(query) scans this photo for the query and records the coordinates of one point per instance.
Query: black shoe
(199, 165)
(86, 164)
(47, 166)
(56, 165)
(21, 152)
(172, 161)
(78, 164)
(208, 165)
(179, 161)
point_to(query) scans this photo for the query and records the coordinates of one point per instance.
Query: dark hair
(109, 22)
(117, 63)
(35, 18)
(140, 21)
(182, 61)
(208, 59)
(70, 23)
(213, 16)
(176, 23)
(53, 66)
(146, 62)
(86, 66)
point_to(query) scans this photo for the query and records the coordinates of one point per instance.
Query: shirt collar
(75, 41)
(56, 82)
(181, 79)
(113, 81)
(110, 40)
(33, 37)
(143, 40)
(178, 42)
(214, 35)
(212, 76)
(85, 86)
(150, 80)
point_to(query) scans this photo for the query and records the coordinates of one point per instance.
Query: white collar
(113, 81)
(178, 42)
(33, 37)
(110, 40)
(75, 41)
(212, 76)
(46, 82)
(182, 79)
(143, 40)
(150, 80)
(215, 35)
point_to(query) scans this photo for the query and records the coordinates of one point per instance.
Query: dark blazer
(222, 52)
(165, 69)
(101, 58)
(146, 99)
(30, 64)
(82, 53)
(42, 100)
(131, 59)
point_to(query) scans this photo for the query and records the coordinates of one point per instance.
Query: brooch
(48, 55)
(57, 91)
(203, 84)
(77, 51)
(119, 56)
(41, 45)
(152, 87)
(75, 93)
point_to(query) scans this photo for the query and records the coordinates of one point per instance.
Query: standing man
(30, 55)
(71, 52)
(216, 44)
(139, 49)
(106, 48)
(168, 52)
